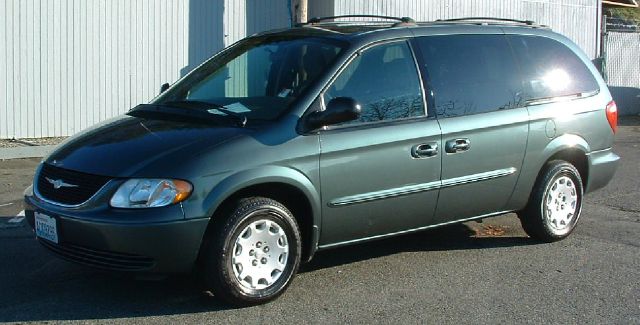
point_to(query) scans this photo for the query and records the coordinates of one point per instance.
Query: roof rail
(490, 19)
(400, 20)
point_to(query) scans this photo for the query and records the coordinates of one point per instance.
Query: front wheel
(252, 256)
(555, 204)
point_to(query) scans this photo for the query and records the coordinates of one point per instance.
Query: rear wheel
(252, 256)
(555, 204)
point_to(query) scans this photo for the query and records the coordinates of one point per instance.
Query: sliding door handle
(457, 145)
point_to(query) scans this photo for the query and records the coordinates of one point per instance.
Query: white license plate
(46, 227)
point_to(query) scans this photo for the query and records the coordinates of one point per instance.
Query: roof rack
(400, 20)
(408, 21)
(490, 19)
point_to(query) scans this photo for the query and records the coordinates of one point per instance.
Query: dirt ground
(15, 175)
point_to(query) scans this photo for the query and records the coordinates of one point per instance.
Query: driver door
(379, 174)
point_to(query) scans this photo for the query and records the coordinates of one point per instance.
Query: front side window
(258, 78)
(384, 80)
(550, 69)
(471, 74)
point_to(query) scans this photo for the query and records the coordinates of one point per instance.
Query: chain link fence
(622, 63)
(623, 59)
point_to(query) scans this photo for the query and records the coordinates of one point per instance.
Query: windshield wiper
(173, 112)
(239, 118)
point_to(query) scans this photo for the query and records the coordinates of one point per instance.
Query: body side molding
(423, 187)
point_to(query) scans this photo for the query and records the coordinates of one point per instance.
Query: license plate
(46, 227)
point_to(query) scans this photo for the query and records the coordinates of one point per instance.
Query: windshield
(259, 77)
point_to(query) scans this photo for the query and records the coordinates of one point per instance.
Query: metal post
(599, 30)
(303, 11)
(299, 8)
(603, 45)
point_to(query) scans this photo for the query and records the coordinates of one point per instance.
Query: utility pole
(299, 8)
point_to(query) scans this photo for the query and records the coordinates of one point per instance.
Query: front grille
(100, 259)
(86, 185)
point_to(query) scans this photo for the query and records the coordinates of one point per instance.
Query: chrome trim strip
(417, 188)
(348, 242)
(41, 198)
(598, 151)
(385, 194)
(477, 177)
(557, 99)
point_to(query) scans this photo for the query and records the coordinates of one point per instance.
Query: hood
(122, 146)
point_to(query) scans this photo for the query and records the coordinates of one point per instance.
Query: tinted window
(384, 80)
(550, 69)
(470, 73)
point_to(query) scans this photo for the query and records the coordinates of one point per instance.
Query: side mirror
(164, 87)
(339, 109)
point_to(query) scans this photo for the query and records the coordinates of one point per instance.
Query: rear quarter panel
(574, 124)
(564, 124)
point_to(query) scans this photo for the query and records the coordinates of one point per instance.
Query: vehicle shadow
(57, 290)
(454, 237)
(37, 286)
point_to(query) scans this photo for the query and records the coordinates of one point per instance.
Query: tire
(555, 203)
(251, 256)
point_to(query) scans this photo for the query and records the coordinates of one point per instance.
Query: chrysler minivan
(328, 134)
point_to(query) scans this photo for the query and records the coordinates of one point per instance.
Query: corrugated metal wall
(576, 19)
(68, 64)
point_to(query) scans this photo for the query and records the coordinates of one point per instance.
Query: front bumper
(602, 167)
(112, 239)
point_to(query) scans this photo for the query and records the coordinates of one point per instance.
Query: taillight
(612, 115)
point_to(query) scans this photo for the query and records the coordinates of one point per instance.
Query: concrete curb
(25, 152)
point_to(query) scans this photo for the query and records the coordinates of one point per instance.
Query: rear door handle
(424, 150)
(457, 145)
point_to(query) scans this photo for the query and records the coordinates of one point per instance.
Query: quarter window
(550, 69)
(384, 80)
(470, 74)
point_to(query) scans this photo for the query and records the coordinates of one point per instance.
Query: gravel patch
(14, 143)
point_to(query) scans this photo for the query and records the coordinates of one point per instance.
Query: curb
(25, 152)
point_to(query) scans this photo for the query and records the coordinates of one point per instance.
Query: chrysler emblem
(58, 183)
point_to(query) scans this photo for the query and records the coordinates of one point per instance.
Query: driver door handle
(424, 150)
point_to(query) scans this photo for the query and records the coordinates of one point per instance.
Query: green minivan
(328, 134)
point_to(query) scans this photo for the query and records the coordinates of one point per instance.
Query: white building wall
(68, 64)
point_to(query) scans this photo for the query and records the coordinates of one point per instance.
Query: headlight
(150, 193)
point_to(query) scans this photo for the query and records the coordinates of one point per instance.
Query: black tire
(217, 266)
(538, 218)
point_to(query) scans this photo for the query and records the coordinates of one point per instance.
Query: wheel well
(578, 159)
(293, 198)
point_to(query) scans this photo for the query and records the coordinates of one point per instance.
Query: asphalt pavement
(487, 272)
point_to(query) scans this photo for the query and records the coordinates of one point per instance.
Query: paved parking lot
(471, 273)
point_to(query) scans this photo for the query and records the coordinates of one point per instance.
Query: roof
(620, 3)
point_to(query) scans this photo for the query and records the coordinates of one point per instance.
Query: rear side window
(550, 69)
(470, 74)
